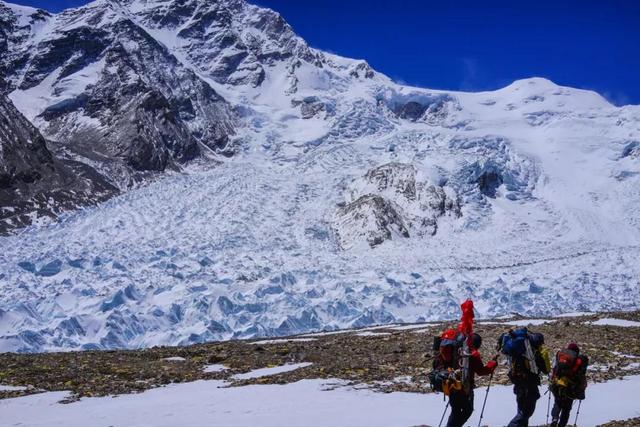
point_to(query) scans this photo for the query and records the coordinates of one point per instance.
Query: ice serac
(33, 182)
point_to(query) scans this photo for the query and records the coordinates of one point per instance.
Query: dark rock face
(139, 109)
(400, 177)
(310, 106)
(13, 34)
(412, 111)
(24, 157)
(362, 71)
(34, 183)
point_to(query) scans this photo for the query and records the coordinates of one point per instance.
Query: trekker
(456, 362)
(568, 382)
(461, 401)
(528, 358)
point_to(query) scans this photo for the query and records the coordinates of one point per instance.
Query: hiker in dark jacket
(568, 383)
(528, 358)
(461, 402)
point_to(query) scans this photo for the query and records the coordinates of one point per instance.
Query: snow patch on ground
(409, 327)
(324, 334)
(523, 322)
(11, 388)
(266, 372)
(576, 314)
(283, 341)
(214, 368)
(313, 403)
(616, 322)
(373, 334)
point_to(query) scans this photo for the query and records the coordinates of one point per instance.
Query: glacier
(525, 199)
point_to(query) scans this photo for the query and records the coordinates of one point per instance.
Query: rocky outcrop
(370, 218)
(389, 201)
(310, 106)
(33, 182)
(231, 41)
(431, 109)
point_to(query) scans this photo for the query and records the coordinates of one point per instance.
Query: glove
(492, 364)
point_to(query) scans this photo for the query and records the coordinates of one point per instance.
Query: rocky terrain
(385, 358)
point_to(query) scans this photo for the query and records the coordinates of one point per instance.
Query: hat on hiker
(573, 346)
(477, 341)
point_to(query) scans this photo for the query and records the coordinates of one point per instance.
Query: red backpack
(568, 364)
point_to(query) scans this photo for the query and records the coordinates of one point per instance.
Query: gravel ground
(384, 358)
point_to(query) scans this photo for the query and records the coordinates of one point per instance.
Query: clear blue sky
(472, 44)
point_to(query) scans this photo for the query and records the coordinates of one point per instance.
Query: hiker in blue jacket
(528, 359)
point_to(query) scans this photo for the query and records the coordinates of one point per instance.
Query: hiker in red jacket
(461, 401)
(568, 382)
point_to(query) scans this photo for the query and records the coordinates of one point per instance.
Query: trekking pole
(548, 405)
(443, 414)
(575, 422)
(485, 399)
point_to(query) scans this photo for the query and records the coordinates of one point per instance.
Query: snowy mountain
(94, 81)
(329, 196)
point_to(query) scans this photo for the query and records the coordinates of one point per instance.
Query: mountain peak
(314, 193)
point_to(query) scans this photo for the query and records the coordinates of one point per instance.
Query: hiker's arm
(479, 367)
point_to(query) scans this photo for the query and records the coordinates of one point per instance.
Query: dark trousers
(561, 410)
(527, 395)
(461, 409)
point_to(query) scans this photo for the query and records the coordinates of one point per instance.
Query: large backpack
(567, 363)
(570, 374)
(446, 375)
(525, 353)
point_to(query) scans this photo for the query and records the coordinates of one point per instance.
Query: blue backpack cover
(513, 343)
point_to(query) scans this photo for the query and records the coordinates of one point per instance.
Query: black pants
(527, 395)
(461, 408)
(561, 410)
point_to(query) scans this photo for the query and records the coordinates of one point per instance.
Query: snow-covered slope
(317, 402)
(350, 200)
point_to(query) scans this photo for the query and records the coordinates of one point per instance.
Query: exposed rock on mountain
(389, 201)
(310, 106)
(98, 84)
(370, 217)
(230, 41)
(34, 183)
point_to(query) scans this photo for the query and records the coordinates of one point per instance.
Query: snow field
(312, 403)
